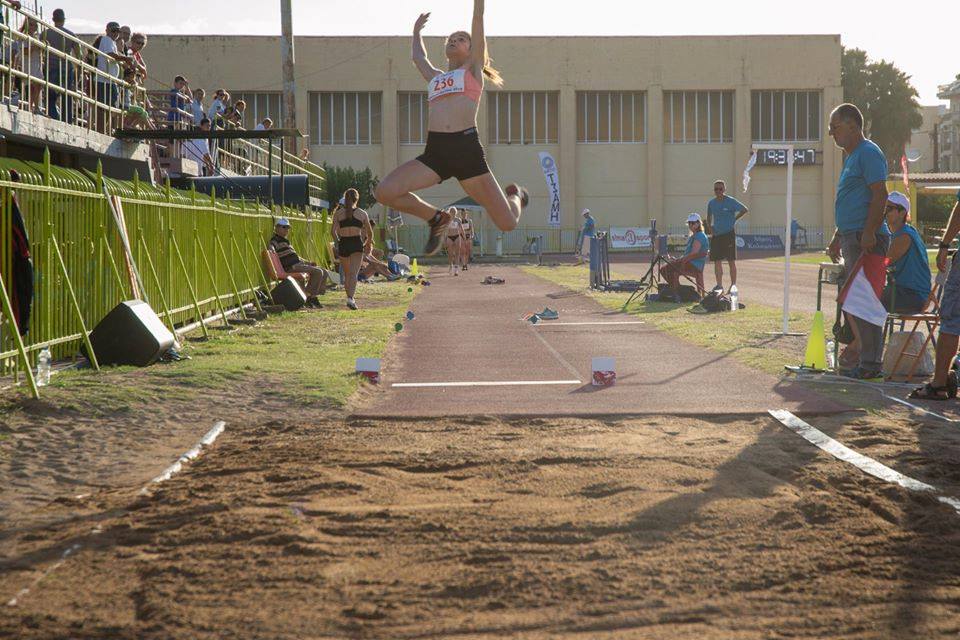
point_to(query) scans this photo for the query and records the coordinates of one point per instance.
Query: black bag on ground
(715, 301)
(685, 293)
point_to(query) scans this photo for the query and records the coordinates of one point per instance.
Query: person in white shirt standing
(108, 63)
(196, 107)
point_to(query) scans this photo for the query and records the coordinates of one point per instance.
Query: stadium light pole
(788, 148)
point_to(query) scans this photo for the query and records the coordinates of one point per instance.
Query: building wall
(922, 141)
(623, 184)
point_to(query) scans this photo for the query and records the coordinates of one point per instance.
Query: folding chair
(275, 271)
(930, 317)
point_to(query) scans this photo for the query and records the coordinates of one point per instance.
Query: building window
(412, 117)
(698, 116)
(785, 116)
(259, 106)
(611, 117)
(523, 117)
(345, 118)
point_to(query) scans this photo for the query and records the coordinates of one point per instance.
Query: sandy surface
(478, 528)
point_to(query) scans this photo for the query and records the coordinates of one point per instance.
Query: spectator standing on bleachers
(264, 125)
(135, 50)
(180, 97)
(197, 108)
(123, 42)
(60, 72)
(221, 99)
(944, 383)
(291, 262)
(908, 259)
(234, 114)
(198, 150)
(109, 59)
(5, 46)
(28, 57)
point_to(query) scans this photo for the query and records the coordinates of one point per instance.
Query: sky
(924, 45)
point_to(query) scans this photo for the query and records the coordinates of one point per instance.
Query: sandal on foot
(930, 392)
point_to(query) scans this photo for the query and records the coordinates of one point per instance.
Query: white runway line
(547, 323)
(494, 383)
(556, 354)
(205, 441)
(868, 465)
(12, 602)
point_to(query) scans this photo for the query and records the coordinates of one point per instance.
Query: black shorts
(723, 247)
(455, 155)
(350, 246)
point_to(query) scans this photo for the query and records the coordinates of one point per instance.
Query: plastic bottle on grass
(734, 298)
(43, 367)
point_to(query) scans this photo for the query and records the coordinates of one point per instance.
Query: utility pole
(286, 55)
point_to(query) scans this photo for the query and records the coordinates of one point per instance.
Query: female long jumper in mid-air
(453, 145)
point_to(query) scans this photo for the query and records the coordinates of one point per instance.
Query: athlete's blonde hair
(488, 70)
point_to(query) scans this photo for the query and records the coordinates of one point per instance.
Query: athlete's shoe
(549, 314)
(351, 304)
(513, 189)
(438, 230)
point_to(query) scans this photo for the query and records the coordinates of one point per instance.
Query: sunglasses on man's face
(893, 207)
(692, 223)
(283, 226)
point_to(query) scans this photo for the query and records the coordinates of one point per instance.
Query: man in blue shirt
(722, 215)
(589, 231)
(944, 383)
(861, 199)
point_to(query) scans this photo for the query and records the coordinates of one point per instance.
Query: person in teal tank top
(908, 257)
(693, 259)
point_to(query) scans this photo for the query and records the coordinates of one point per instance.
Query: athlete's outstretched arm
(478, 40)
(426, 69)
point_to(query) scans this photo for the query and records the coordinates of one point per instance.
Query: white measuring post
(788, 148)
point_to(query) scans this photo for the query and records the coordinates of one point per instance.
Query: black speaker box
(290, 294)
(130, 334)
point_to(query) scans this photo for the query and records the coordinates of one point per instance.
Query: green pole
(186, 276)
(156, 280)
(15, 332)
(246, 274)
(76, 305)
(213, 282)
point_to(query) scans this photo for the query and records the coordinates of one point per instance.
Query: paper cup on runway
(604, 373)
(369, 368)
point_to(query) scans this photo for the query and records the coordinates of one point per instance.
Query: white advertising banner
(550, 174)
(630, 237)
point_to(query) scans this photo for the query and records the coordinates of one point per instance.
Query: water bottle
(831, 347)
(43, 368)
(734, 298)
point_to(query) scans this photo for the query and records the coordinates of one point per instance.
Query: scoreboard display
(779, 157)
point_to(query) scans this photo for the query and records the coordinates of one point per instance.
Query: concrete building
(949, 129)
(924, 144)
(639, 126)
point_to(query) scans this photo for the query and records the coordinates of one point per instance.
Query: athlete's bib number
(448, 83)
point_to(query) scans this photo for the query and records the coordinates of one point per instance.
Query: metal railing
(191, 256)
(41, 78)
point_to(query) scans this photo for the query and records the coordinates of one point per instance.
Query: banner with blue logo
(760, 241)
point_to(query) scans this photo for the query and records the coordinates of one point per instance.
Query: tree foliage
(886, 98)
(339, 179)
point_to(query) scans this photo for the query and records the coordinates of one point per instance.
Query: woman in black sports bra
(352, 229)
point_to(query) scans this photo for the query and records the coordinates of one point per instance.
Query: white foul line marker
(556, 354)
(575, 324)
(498, 383)
(205, 441)
(12, 602)
(868, 465)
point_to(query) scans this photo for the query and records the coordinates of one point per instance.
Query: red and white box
(369, 368)
(604, 372)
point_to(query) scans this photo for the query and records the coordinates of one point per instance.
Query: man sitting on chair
(291, 262)
(908, 259)
(693, 259)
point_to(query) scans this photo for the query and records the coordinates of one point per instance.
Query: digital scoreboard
(779, 157)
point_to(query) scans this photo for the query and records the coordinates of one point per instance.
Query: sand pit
(661, 527)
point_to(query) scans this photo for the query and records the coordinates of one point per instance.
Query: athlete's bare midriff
(452, 113)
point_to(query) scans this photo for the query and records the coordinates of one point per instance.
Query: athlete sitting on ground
(453, 146)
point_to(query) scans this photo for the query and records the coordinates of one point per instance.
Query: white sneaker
(351, 304)
(456, 270)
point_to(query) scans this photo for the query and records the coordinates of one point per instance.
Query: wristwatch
(945, 245)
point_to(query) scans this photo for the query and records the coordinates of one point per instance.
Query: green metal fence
(197, 256)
